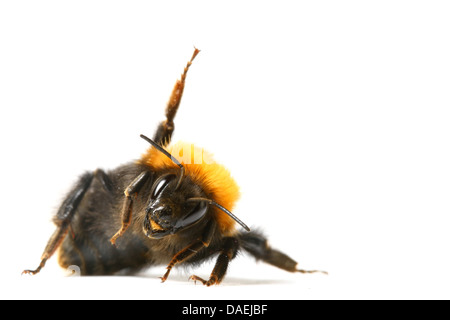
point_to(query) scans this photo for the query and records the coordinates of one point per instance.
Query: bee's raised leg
(127, 210)
(165, 129)
(64, 216)
(230, 248)
(256, 244)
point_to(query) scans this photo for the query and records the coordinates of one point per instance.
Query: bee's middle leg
(165, 129)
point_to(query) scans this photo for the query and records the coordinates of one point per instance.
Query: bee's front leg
(229, 251)
(127, 210)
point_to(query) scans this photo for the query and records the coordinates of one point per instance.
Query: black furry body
(97, 219)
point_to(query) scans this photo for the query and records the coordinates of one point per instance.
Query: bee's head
(173, 208)
(176, 203)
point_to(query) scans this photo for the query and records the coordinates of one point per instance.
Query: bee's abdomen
(94, 256)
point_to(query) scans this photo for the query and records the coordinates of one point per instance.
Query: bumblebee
(158, 210)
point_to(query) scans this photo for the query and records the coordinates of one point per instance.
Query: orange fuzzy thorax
(213, 178)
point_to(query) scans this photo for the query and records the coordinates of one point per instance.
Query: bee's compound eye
(161, 185)
(194, 215)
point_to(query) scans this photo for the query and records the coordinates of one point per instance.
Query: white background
(333, 116)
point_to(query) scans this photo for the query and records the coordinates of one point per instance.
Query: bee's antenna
(228, 212)
(167, 154)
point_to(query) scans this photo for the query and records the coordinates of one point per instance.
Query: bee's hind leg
(256, 244)
(66, 213)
